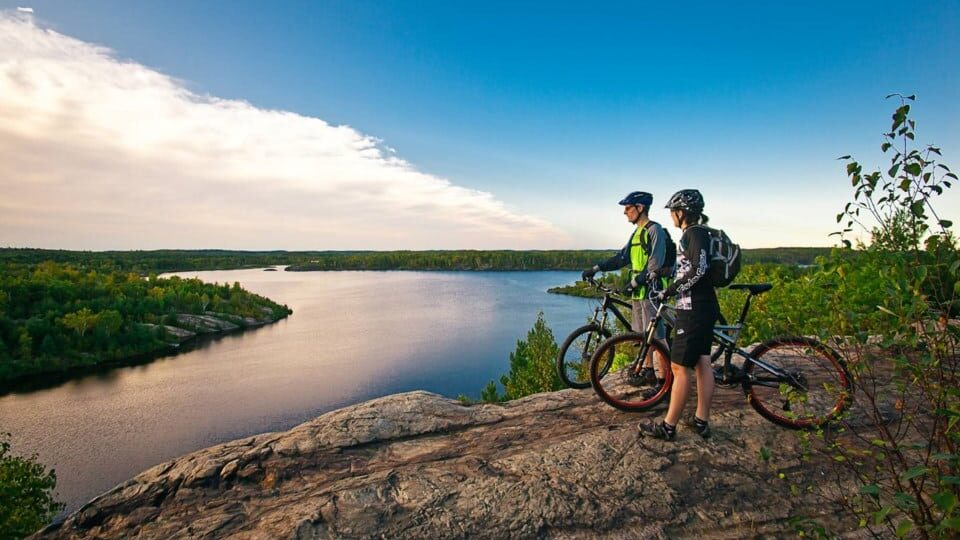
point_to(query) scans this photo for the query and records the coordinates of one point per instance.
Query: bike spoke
(810, 387)
(573, 362)
(620, 386)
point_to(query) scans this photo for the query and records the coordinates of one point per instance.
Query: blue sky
(552, 111)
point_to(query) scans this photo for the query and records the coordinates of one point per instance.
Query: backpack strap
(711, 232)
(647, 248)
(644, 242)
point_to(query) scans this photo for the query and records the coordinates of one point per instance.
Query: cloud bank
(101, 153)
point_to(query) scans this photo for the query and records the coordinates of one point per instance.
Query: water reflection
(353, 336)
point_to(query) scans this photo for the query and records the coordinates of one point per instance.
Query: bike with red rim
(796, 382)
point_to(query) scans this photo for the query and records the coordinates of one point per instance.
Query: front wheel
(573, 361)
(619, 384)
(806, 386)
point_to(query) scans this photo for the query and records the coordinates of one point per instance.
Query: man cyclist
(645, 252)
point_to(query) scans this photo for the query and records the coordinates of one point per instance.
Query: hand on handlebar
(588, 274)
(630, 288)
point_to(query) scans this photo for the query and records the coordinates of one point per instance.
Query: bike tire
(825, 391)
(612, 384)
(573, 360)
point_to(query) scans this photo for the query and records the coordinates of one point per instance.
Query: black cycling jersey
(693, 263)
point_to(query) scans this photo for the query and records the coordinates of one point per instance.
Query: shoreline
(50, 379)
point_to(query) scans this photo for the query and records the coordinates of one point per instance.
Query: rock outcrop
(188, 325)
(206, 323)
(418, 465)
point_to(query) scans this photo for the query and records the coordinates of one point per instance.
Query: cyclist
(645, 253)
(697, 310)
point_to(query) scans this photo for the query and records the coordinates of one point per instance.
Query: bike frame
(608, 304)
(725, 336)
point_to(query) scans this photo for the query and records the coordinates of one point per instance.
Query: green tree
(25, 343)
(110, 321)
(490, 394)
(48, 347)
(26, 493)
(532, 366)
(80, 321)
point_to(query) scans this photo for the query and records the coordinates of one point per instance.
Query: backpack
(669, 253)
(724, 258)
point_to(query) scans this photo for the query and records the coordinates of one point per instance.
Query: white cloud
(25, 9)
(98, 153)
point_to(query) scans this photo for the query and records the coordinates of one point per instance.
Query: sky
(451, 125)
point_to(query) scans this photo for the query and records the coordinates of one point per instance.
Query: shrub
(903, 286)
(26, 493)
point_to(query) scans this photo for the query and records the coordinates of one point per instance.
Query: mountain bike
(573, 360)
(793, 381)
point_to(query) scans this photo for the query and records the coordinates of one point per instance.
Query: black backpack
(724, 258)
(669, 254)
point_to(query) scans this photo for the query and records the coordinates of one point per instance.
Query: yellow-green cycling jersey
(645, 253)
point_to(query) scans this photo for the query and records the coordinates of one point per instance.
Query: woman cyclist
(697, 310)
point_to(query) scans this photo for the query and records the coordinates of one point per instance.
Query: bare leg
(705, 386)
(679, 394)
(661, 362)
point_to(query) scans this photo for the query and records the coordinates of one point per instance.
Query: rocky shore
(188, 326)
(418, 465)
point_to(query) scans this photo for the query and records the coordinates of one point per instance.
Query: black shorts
(692, 336)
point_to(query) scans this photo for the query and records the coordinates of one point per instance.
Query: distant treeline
(150, 262)
(147, 262)
(58, 316)
(454, 260)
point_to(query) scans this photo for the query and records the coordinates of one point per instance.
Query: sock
(698, 423)
(671, 430)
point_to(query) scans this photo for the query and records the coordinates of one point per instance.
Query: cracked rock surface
(418, 465)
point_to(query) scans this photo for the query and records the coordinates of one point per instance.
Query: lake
(353, 336)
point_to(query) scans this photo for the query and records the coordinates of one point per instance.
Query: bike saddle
(757, 288)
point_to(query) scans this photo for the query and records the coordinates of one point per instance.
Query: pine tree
(531, 366)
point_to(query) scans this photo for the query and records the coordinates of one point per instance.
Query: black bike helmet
(637, 197)
(686, 199)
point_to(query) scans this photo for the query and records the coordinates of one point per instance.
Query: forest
(58, 316)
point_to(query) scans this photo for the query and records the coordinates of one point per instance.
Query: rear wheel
(813, 389)
(573, 361)
(618, 384)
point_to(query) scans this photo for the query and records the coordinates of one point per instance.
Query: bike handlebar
(607, 290)
(601, 287)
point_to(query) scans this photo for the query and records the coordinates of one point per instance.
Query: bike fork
(645, 348)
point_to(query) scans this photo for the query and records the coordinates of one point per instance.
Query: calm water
(353, 336)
